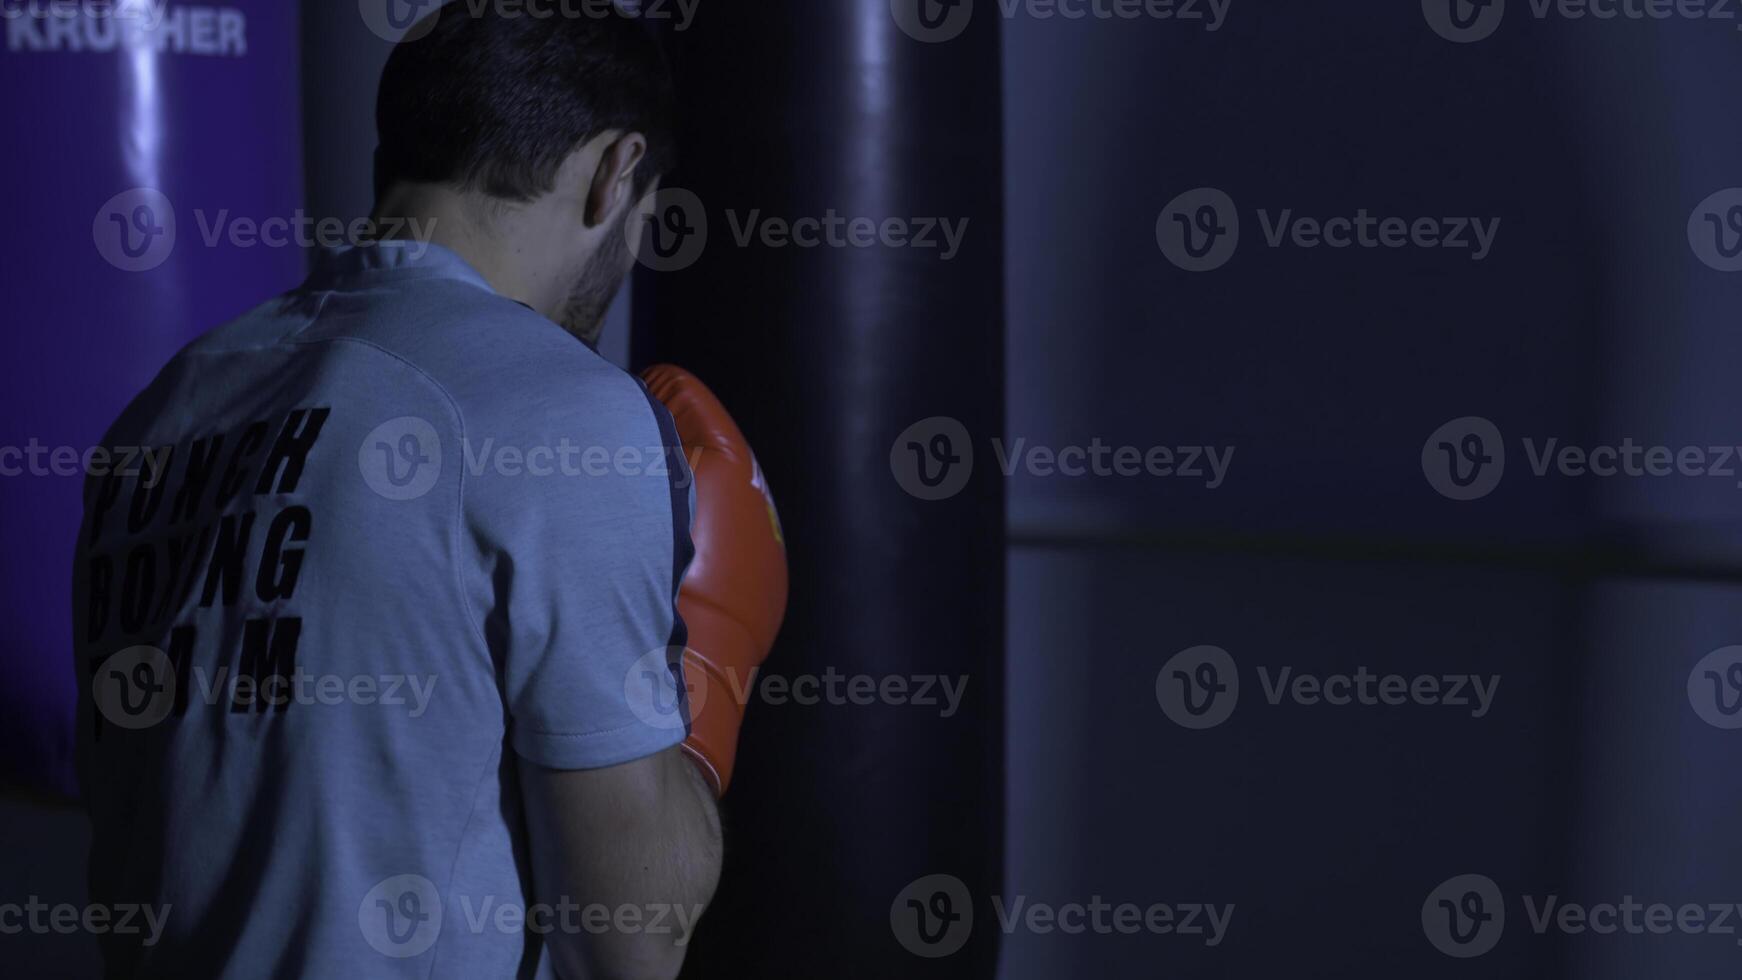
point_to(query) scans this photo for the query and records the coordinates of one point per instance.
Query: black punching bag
(829, 353)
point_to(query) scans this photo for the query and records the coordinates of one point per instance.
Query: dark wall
(1327, 548)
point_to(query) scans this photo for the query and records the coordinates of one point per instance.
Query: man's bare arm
(643, 835)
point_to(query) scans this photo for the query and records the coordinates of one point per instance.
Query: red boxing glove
(733, 598)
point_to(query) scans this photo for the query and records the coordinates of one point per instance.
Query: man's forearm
(698, 832)
(679, 874)
(643, 838)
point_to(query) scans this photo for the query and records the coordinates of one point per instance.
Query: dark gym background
(1062, 321)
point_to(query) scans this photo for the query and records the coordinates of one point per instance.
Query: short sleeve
(582, 515)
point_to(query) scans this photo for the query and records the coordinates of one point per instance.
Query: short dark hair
(496, 101)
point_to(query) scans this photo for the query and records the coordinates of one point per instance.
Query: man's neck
(465, 225)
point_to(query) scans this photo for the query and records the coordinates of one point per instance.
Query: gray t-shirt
(348, 557)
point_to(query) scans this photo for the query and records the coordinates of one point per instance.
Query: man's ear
(613, 181)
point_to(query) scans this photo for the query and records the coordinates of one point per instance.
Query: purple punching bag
(154, 174)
